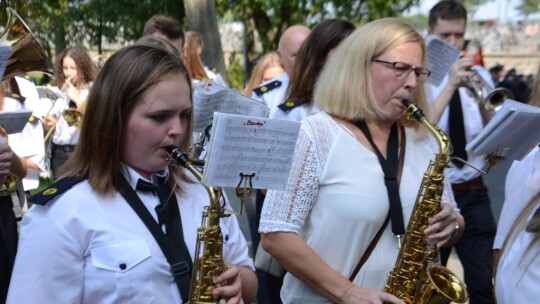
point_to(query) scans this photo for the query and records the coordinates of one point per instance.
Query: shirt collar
(133, 176)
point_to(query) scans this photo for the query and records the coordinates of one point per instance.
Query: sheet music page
(5, 51)
(248, 144)
(14, 121)
(513, 130)
(50, 92)
(441, 57)
(210, 99)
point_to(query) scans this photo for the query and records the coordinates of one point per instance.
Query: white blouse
(336, 200)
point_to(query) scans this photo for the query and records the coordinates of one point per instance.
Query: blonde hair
(535, 96)
(345, 86)
(192, 59)
(266, 62)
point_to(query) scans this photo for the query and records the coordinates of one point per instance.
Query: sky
(504, 10)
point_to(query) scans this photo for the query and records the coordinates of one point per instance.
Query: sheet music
(5, 51)
(210, 99)
(14, 121)
(247, 144)
(511, 133)
(50, 92)
(441, 57)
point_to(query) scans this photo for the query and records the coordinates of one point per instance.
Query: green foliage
(528, 7)
(235, 72)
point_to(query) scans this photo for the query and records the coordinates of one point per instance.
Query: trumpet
(9, 185)
(477, 85)
(73, 117)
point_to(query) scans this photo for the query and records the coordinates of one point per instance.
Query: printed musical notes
(248, 144)
(211, 98)
(441, 57)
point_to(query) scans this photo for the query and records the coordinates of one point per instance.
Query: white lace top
(336, 201)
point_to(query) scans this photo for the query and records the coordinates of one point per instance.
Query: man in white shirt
(460, 116)
(273, 91)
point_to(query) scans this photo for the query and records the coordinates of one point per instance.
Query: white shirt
(276, 96)
(297, 113)
(336, 201)
(518, 273)
(522, 184)
(29, 144)
(64, 134)
(473, 125)
(216, 77)
(70, 250)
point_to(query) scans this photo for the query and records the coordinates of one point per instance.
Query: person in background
(312, 56)
(519, 268)
(139, 107)
(192, 51)
(459, 115)
(266, 68)
(496, 74)
(335, 200)
(165, 27)
(75, 72)
(273, 92)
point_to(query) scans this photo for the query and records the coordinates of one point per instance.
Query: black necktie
(167, 211)
(457, 129)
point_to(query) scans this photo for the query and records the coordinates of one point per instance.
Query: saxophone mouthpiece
(177, 157)
(406, 103)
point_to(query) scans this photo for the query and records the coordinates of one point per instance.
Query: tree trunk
(202, 18)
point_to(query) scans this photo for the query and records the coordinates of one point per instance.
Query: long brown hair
(125, 78)
(86, 70)
(192, 59)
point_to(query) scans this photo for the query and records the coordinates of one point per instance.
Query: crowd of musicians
(106, 229)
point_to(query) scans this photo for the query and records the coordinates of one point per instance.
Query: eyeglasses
(401, 69)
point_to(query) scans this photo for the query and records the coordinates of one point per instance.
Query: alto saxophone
(208, 266)
(416, 278)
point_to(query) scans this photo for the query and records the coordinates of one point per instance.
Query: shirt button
(122, 266)
(226, 237)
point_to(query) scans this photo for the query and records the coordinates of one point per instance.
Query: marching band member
(88, 228)
(75, 72)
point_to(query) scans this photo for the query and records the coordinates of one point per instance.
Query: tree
(528, 7)
(269, 18)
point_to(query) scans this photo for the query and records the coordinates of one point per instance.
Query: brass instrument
(208, 266)
(73, 117)
(26, 52)
(492, 102)
(9, 185)
(416, 278)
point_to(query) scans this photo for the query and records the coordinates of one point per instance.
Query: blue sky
(504, 10)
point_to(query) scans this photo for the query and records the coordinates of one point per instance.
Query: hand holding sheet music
(213, 98)
(511, 133)
(247, 145)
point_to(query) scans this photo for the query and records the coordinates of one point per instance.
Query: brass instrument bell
(477, 86)
(26, 53)
(73, 117)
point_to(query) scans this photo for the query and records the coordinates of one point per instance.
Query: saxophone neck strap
(392, 167)
(179, 259)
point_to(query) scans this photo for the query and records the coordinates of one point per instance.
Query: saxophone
(208, 266)
(416, 278)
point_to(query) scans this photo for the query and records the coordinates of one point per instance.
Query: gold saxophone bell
(26, 53)
(9, 185)
(73, 117)
(495, 97)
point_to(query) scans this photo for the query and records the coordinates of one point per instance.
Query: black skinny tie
(167, 211)
(457, 129)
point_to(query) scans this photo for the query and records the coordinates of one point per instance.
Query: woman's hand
(232, 291)
(50, 121)
(445, 227)
(359, 295)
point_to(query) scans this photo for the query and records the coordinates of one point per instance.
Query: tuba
(208, 265)
(416, 278)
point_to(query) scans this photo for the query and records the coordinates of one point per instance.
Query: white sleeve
(49, 263)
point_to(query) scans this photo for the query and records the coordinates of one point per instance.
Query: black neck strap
(179, 260)
(391, 167)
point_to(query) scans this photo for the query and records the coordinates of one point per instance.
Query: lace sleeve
(286, 210)
(448, 196)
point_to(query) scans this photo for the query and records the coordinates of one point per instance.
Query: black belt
(65, 148)
(474, 184)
